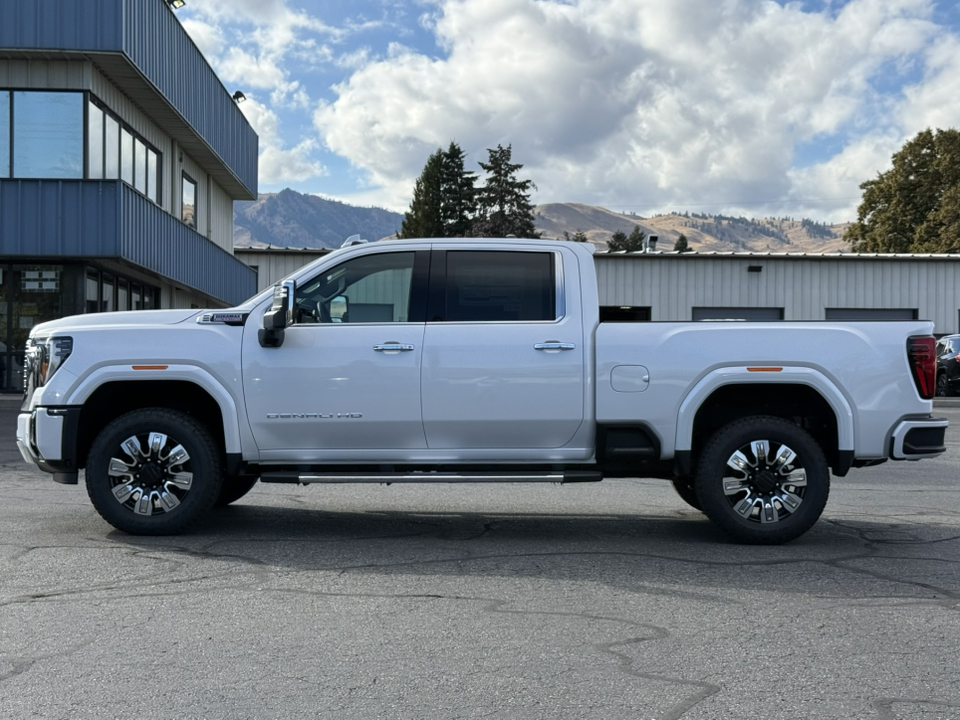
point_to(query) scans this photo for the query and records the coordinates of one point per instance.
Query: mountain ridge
(292, 219)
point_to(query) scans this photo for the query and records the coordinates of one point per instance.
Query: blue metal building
(121, 154)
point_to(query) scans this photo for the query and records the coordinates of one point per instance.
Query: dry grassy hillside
(704, 233)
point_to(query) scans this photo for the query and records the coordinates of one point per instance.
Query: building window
(4, 134)
(188, 207)
(870, 314)
(111, 148)
(116, 151)
(756, 314)
(105, 293)
(47, 135)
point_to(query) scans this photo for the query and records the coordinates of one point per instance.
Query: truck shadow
(670, 553)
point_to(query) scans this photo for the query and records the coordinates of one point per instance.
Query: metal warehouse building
(764, 286)
(743, 286)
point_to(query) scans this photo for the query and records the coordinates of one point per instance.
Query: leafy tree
(630, 243)
(578, 236)
(458, 204)
(914, 206)
(681, 245)
(503, 203)
(424, 219)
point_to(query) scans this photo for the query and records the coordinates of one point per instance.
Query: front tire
(235, 487)
(154, 472)
(763, 480)
(687, 491)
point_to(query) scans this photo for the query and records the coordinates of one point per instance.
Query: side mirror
(279, 316)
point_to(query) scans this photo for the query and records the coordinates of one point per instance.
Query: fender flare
(787, 376)
(104, 374)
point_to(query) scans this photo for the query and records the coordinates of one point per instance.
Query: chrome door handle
(393, 347)
(554, 346)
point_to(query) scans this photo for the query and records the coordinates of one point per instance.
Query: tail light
(922, 355)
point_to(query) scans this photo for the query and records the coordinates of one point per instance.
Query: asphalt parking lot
(610, 600)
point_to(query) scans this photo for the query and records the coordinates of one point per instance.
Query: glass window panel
(111, 155)
(149, 298)
(136, 295)
(4, 134)
(153, 179)
(93, 291)
(123, 295)
(106, 295)
(140, 166)
(126, 156)
(47, 135)
(94, 142)
(37, 297)
(4, 360)
(500, 286)
(368, 289)
(188, 209)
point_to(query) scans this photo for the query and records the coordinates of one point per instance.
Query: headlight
(44, 357)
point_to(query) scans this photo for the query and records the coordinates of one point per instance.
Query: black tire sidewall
(234, 488)
(712, 467)
(687, 491)
(205, 465)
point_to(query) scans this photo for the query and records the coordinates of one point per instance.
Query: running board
(303, 478)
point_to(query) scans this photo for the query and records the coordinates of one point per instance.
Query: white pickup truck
(468, 361)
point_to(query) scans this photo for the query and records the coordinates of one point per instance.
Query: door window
(490, 286)
(368, 289)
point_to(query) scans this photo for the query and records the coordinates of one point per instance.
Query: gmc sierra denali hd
(468, 361)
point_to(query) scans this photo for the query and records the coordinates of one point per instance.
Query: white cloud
(278, 164)
(642, 104)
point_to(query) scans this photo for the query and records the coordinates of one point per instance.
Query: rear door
(503, 362)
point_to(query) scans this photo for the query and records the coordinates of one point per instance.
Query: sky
(736, 107)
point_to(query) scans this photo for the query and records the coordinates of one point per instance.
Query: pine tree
(629, 243)
(681, 245)
(458, 194)
(424, 219)
(503, 203)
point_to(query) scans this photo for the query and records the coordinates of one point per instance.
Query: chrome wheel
(764, 481)
(152, 476)
(154, 471)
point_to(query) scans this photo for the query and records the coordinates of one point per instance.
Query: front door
(347, 377)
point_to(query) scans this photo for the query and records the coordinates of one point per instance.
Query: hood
(130, 318)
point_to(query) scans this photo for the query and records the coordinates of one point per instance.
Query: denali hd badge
(312, 416)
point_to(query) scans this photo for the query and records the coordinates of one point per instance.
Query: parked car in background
(948, 369)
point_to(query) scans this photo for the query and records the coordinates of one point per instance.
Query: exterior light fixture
(239, 97)
(176, 4)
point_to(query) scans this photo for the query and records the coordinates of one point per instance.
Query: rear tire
(763, 480)
(154, 472)
(943, 387)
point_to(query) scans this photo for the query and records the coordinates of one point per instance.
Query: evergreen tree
(578, 236)
(458, 194)
(914, 206)
(618, 241)
(503, 203)
(681, 245)
(629, 243)
(424, 219)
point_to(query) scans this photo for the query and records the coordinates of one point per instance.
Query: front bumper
(47, 437)
(918, 439)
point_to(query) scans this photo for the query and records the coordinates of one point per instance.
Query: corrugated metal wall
(803, 286)
(274, 265)
(107, 219)
(147, 32)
